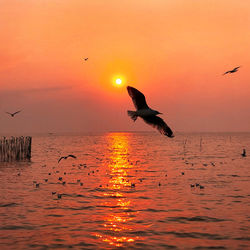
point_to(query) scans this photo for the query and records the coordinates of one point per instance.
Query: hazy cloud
(9, 92)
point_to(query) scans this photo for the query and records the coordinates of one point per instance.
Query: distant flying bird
(231, 71)
(86, 59)
(13, 114)
(65, 157)
(147, 114)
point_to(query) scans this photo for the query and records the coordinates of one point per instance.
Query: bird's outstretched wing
(17, 112)
(138, 98)
(60, 159)
(226, 73)
(235, 69)
(158, 123)
(8, 113)
(73, 156)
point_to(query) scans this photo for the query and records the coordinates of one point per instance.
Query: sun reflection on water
(117, 227)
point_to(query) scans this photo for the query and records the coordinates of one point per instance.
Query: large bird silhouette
(147, 114)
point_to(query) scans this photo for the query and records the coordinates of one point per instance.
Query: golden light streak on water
(119, 168)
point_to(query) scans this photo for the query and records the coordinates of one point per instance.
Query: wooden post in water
(15, 149)
(200, 143)
(184, 147)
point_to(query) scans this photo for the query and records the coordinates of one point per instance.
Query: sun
(118, 81)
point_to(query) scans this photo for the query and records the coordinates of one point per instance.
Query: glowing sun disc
(118, 81)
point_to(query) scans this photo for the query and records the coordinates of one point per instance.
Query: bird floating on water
(147, 114)
(244, 153)
(231, 71)
(13, 114)
(65, 157)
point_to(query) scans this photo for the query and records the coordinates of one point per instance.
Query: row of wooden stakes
(15, 149)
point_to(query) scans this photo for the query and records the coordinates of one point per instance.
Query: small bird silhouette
(231, 71)
(147, 114)
(65, 157)
(13, 114)
(86, 59)
(244, 153)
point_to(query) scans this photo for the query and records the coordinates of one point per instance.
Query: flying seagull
(147, 114)
(85, 59)
(65, 157)
(231, 71)
(13, 114)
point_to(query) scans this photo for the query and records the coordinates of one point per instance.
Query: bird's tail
(132, 114)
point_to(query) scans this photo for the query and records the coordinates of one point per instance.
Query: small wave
(8, 205)
(210, 247)
(196, 218)
(142, 245)
(48, 208)
(14, 227)
(236, 196)
(75, 195)
(84, 244)
(79, 208)
(108, 206)
(40, 246)
(243, 238)
(153, 210)
(55, 215)
(198, 235)
(143, 197)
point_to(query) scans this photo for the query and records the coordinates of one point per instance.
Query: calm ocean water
(129, 190)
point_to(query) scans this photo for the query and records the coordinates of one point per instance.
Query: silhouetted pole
(184, 146)
(200, 143)
(15, 149)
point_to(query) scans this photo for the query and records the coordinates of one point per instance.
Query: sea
(125, 190)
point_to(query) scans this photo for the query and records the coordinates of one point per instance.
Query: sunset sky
(174, 51)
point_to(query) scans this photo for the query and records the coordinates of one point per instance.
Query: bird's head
(158, 113)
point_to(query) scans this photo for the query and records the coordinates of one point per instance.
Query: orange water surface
(128, 190)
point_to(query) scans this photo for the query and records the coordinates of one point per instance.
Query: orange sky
(174, 51)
